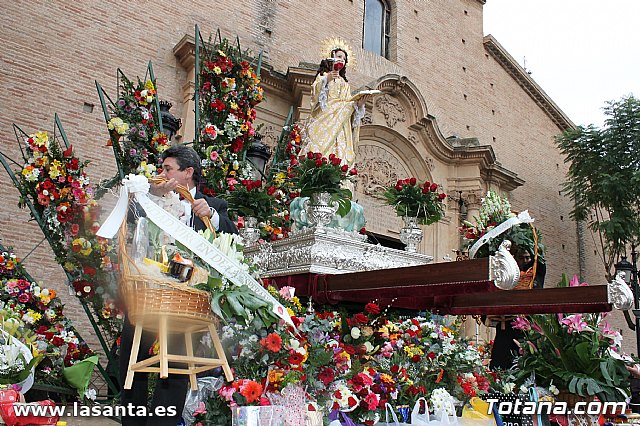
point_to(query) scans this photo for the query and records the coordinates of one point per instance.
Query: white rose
(355, 333)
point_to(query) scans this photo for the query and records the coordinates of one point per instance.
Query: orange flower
(272, 342)
(251, 390)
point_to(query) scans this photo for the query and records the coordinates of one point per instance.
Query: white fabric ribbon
(139, 187)
(523, 217)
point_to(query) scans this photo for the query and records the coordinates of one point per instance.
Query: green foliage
(572, 352)
(421, 201)
(604, 176)
(251, 198)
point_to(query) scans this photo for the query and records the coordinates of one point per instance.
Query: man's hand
(159, 189)
(201, 208)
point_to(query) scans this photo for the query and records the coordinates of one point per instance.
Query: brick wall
(53, 51)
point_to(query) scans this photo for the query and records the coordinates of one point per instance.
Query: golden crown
(330, 44)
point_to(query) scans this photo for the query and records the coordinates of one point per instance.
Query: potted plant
(254, 202)
(321, 179)
(416, 204)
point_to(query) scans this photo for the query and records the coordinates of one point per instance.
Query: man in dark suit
(181, 166)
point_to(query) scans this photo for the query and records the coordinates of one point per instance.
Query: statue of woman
(334, 125)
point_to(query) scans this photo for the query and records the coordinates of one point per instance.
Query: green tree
(604, 177)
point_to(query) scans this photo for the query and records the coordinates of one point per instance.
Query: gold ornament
(332, 43)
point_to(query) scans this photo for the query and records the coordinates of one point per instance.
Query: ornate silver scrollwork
(619, 294)
(328, 250)
(503, 268)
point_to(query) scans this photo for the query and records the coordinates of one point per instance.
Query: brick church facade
(457, 109)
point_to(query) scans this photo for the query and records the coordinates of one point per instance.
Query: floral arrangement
(578, 353)
(251, 198)
(14, 368)
(422, 201)
(34, 315)
(228, 90)
(493, 211)
(313, 173)
(353, 362)
(134, 128)
(56, 184)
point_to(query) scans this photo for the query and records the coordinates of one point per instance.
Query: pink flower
(287, 292)
(575, 282)
(213, 155)
(521, 323)
(575, 323)
(227, 392)
(372, 401)
(200, 410)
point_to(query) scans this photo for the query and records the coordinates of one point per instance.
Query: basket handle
(184, 191)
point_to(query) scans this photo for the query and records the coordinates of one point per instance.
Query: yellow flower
(217, 70)
(291, 313)
(233, 105)
(41, 139)
(149, 85)
(279, 178)
(221, 53)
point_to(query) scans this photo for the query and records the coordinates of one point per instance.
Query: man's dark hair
(186, 157)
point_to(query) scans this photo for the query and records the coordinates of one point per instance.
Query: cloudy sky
(581, 52)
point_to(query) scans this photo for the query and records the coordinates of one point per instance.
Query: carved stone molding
(377, 168)
(391, 109)
(269, 136)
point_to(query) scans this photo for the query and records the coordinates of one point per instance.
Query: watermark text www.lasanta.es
(78, 410)
(519, 407)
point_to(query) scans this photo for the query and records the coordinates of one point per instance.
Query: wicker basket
(145, 296)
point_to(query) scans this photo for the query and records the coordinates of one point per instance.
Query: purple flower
(121, 103)
(132, 152)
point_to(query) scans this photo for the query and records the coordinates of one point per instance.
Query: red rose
(442, 196)
(415, 358)
(57, 341)
(271, 190)
(434, 187)
(310, 155)
(361, 318)
(412, 181)
(89, 270)
(335, 161)
(372, 308)
(431, 355)
(344, 168)
(353, 172)
(363, 230)
(318, 163)
(398, 186)
(318, 155)
(332, 156)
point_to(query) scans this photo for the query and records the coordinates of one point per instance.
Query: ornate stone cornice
(184, 51)
(523, 79)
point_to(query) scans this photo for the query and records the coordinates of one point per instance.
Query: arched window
(377, 26)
